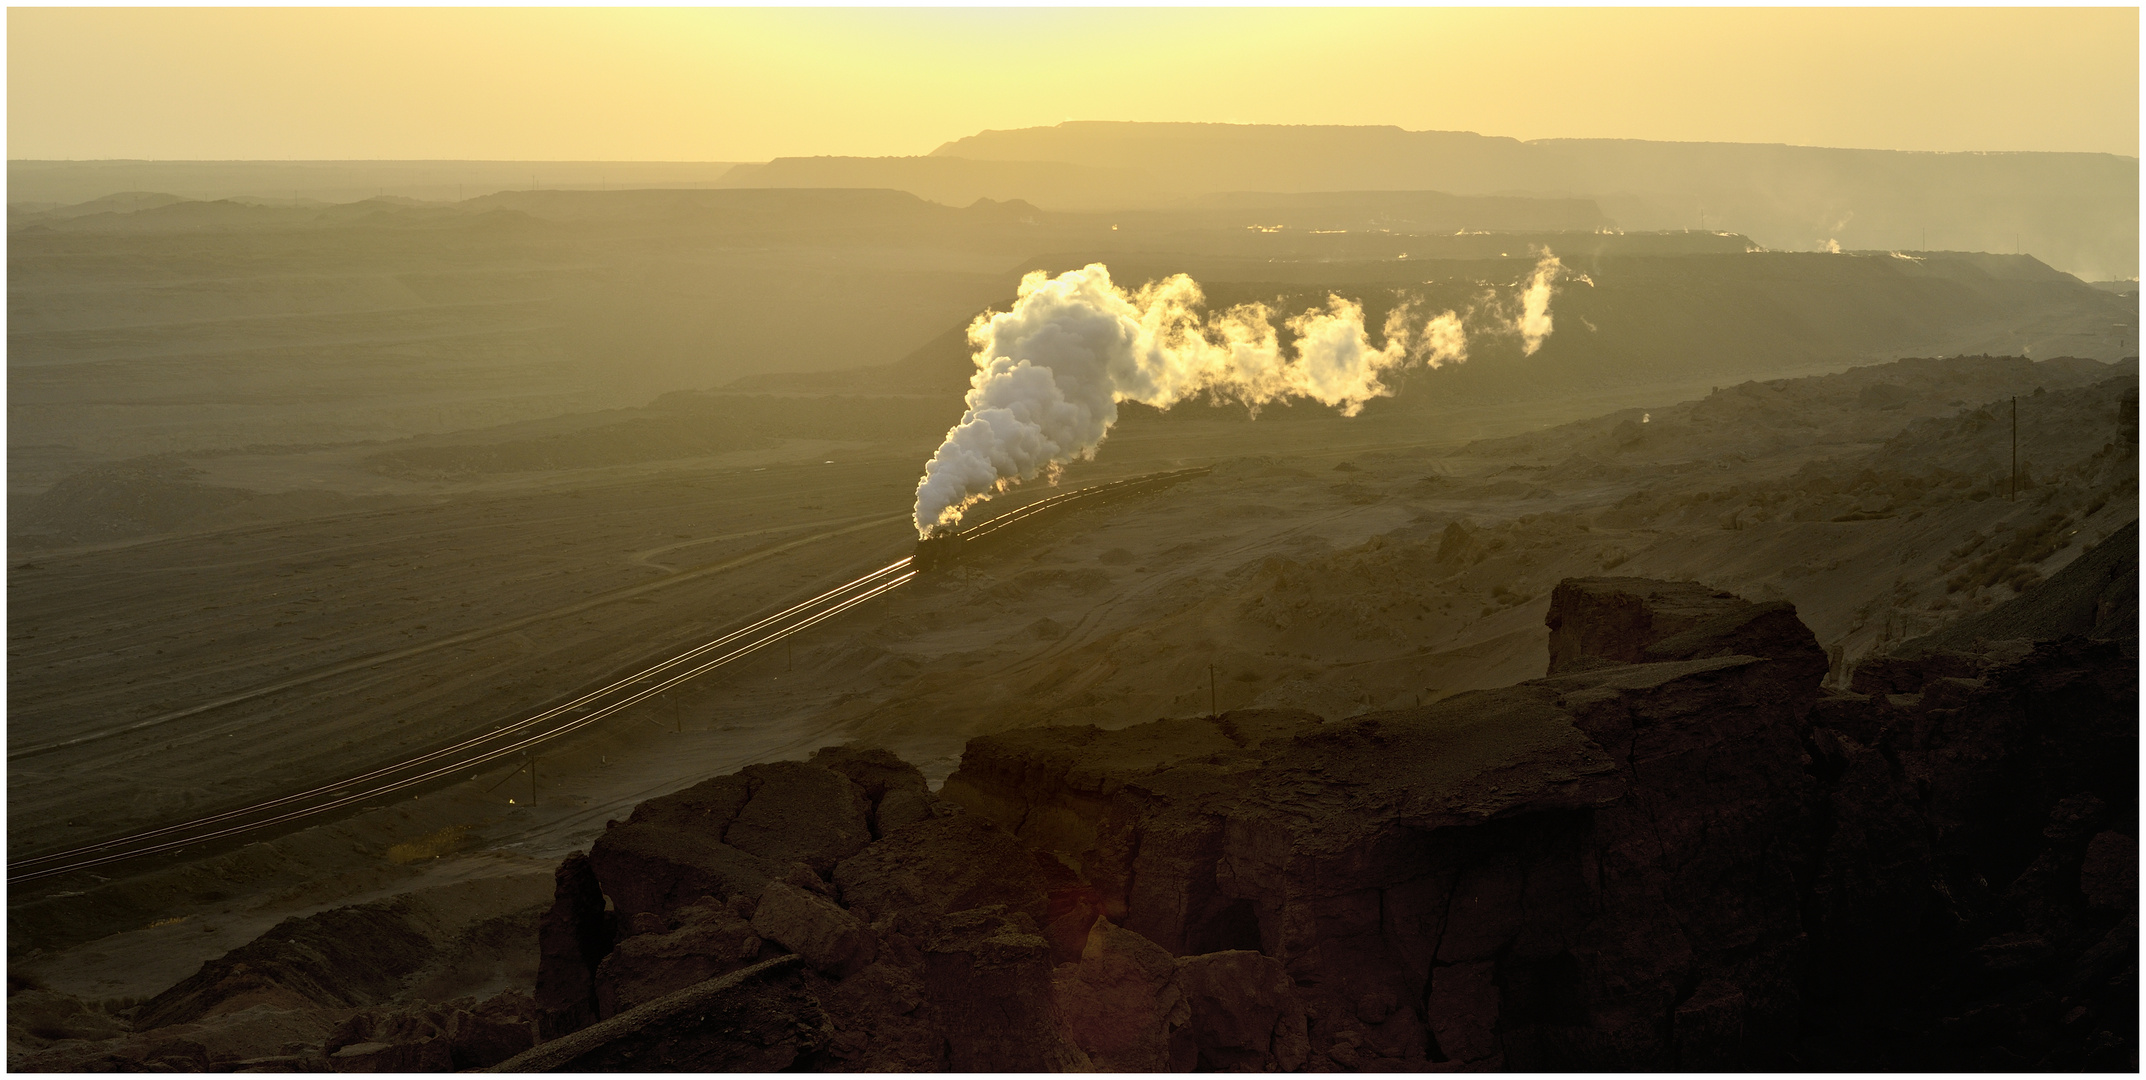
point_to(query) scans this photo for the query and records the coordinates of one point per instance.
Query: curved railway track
(520, 736)
(504, 741)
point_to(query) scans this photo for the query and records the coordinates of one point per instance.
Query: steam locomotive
(937, 551)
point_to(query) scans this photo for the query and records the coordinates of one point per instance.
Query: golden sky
(750, 84)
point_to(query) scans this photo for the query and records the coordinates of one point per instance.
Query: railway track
(523, 735)
(943, 549)
(508, 740)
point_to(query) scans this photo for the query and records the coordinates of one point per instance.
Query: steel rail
(538, 718)
(340, 793)
(986, 528)
(529, 731)
(463, 638)
(494, 754)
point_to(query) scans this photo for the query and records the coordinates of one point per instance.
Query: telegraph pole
(1211, 710)
(2015, 448)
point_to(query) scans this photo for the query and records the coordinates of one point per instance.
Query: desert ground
(298, 492)
(1332, 565)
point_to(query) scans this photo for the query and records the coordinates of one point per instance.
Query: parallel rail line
(463, 638)
(476, 751)
(552, 723)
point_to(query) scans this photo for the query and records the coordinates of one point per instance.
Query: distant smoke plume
(1051, 371)
(1534, 324)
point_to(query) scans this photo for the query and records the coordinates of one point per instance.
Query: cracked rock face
(828, 937)
(698, 878)
(1538, 873)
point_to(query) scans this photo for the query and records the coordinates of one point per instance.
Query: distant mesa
(959, 182)
(2078, 212)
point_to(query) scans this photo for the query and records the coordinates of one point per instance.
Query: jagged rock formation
(1533, 877)
(1979, 898)
(376, 987)
(1596, 622)
(1676, 851)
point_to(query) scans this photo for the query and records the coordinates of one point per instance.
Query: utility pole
(532, 779)
(678, 723)
(1211, 710)
(2015, 448)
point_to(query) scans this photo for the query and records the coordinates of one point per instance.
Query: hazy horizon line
(1066, 123)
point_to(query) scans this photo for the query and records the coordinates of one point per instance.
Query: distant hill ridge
(2078, 212)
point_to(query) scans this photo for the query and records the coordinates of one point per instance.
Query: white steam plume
(1534, 322)
(1051, 371)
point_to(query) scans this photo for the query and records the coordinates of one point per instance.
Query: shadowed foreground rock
(1675, 852)
(353, 989)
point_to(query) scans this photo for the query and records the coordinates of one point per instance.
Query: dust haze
(1244, 528)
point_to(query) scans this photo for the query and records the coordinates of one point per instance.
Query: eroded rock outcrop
(1976, 907)
(348, 957)
(687, 872)
(388, 986)
(1676, 851)
(572, 939)
(1533, 877)
(1122, 1003)
(1596, 622)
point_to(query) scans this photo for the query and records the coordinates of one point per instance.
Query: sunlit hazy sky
(750, 84)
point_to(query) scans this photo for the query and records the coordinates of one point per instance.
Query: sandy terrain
(1331, 565)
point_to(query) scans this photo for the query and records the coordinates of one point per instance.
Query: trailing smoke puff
(1051, 372)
